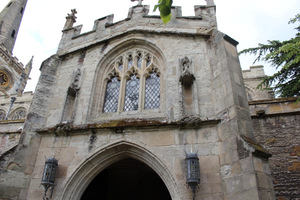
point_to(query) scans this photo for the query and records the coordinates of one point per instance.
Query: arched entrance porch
(114, 154)
(127, 179)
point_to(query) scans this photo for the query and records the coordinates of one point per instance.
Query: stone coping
(275, 100)
(258, 149)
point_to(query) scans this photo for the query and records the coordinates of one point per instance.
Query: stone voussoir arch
(106, 156)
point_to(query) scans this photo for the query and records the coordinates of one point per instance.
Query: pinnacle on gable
(70, 19)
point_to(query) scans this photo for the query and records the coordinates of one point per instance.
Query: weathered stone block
(163, 138)
(209, 164)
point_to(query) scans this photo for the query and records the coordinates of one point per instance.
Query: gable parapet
(138, 20)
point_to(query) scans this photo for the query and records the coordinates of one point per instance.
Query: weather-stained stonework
(120, 106)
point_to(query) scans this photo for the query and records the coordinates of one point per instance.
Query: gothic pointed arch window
(133, 83)
(19, 113)
(2, 115)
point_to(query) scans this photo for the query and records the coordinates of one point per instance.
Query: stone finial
(140, 2)
(70, 19)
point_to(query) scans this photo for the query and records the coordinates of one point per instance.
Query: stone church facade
(120, 106)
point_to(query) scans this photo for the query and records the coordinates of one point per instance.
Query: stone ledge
(259, 151)
(275, 100)
(275, 114)
(119, 125)
(15, 121)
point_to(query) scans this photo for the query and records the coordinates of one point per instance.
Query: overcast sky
(248, 21)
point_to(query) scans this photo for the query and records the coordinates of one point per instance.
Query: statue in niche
(187, 78)
(76, 80)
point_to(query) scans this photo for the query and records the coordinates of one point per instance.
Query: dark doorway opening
(127, 179)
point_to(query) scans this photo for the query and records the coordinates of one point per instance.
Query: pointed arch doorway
(113, 156)
(127, 179)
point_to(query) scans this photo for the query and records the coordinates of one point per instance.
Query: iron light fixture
(48, 178)
(192, 171)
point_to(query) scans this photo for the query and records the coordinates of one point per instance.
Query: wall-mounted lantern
(48, 178)
(192, 171)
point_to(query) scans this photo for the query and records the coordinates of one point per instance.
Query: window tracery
(19, 113)
(133, 83)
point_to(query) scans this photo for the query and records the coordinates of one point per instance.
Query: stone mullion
(142, 93)
(122, 94)
(143, 83)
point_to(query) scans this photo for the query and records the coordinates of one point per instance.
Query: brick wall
(280, 135)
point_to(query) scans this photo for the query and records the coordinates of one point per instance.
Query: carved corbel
(63, 127)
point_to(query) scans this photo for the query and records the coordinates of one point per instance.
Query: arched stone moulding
(104, 67)
(105, 157)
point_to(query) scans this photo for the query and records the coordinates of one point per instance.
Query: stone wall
(252, 77)
(10, 129)
(210, 114)
(277, 128)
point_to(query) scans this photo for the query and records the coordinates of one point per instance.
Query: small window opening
(120, 65)
(139, 61)
(130, 62)
(9, 4)
(22, 10)
(13, 33)
(1, 26)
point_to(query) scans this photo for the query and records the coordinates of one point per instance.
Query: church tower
(13, 74)
(10, 20)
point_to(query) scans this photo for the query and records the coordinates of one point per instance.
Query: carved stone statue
(185, 63)
(140, 2)
(76, 81)
(187, 78)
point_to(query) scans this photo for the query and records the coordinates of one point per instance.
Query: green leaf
(284, 56)
(166, 19)
(164, 7)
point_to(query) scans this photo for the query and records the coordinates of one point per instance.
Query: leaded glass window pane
(152, 91)
(120, 65)
(148, 61)
(132, 94)
(130, 62)
(111, 96)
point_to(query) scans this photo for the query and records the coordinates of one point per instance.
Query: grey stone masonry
(10, 21)
(90, 111)
(252, 78)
